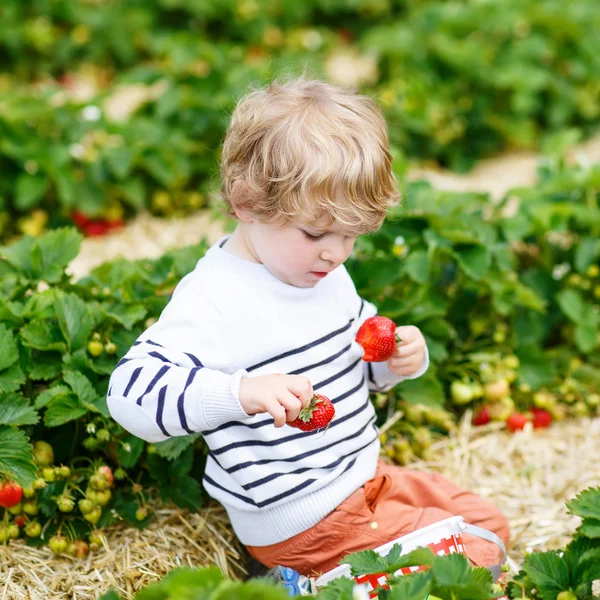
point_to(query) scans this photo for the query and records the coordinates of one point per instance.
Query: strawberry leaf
(11, 379)
(549, 573)
(73, 318)
(54, 392)
(43, 335)
(415, 587)
(417, 557)
(338, 589)
(586, 504)
(365, 562)
(44, 366)
(172, 448)
(19, 255)
(58, 248)
(16, 458)
(590, 528)
(9, 353)
(16, 410)
(186, 492)
(63, 409)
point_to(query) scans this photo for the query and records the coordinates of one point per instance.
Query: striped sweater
(231, 318)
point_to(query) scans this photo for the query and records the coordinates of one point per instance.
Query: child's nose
(335, 253)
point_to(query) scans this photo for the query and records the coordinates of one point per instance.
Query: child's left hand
(410, 352)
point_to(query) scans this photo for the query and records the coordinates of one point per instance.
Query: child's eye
(314, 238)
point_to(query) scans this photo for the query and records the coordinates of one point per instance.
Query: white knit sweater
(231, 318)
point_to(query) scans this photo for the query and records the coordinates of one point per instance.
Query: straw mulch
(529, 475)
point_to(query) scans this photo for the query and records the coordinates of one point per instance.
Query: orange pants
(395, 502)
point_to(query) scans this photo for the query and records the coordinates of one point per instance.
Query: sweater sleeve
(162, 388)
(379, 377)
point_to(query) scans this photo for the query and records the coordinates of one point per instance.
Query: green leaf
(586, 336)
(586, 504)
(416, 266)
(54, 392)
(426, 389)
(20, 255)
(536, 369)
(58, 248)
(135, 192)
(12, 379)
(63, 409)
(414, 587)
(9, 353)
(16, 410)
(43, 335)
(365, 562)
(548, 572)
(474, 260)
(73, 318)
(119, 161)
(44, 367)
(16, 458)
(572, 304)
(589, 528)
(82, 386)
(173, 447)
(179, 582)
(186, 492)
(125, 314)
(111, 595)
(586, 253)
(29, 189)
(130, 450)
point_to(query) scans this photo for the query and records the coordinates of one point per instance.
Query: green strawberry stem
(306, 413)
(398, 338)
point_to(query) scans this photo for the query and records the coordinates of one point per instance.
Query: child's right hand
(282, 396)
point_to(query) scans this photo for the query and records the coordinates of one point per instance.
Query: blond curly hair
(307, 149)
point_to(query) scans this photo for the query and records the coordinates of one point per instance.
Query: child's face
(299, 253)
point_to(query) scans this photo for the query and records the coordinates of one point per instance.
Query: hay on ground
(529, 475)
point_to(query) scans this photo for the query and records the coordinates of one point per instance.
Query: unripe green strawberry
(511, 362)
(39, 484)
(65, 504)
(95, 348)
(95, 537)
(48, 474)
(63, 472)
(99, 482)
(461, 392)
(497, 390)
(43, 454)
(110, 348)
(70, 548)
(91, 443)
(101, 497)
(28, 492)
(120, 474)
(85, 506)
(13, 531)
(141, 513)
(94, 547)
(30, 507)
(103, 435)
(58, 544)
(94, 515)
(566, 595)
(3, 534)
(33, 529)
(16, 509)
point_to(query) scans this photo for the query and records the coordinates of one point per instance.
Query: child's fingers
(291, 404)
(301, 387)
(277, 411)
(408, 349)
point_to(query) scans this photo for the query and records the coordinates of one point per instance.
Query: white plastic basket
(443, 537)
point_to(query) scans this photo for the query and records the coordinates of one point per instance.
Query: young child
(267, 318)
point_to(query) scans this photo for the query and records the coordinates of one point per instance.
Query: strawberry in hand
(316, 415)
(378, 338)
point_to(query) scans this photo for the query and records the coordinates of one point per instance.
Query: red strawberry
(377, 336)
(516, 421)
(316, 415)
(482, 416)
(10, 494)
(541, 418)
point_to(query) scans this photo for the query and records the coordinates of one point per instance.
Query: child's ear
(242, 200)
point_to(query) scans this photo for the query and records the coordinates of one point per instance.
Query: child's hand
(282, 396)
(410, 352)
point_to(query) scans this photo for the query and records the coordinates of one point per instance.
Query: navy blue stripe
(298, 457)
(180, 400)
(160, 405)
(336, 376)
(362, 305)
(194, 359)
(158, 355)
(269, 420)
(273, 476)
(132, 380)
(154, 381)
(302, 348)
(299, 487)
(323, 362)
(123, 361)
(215, 484)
